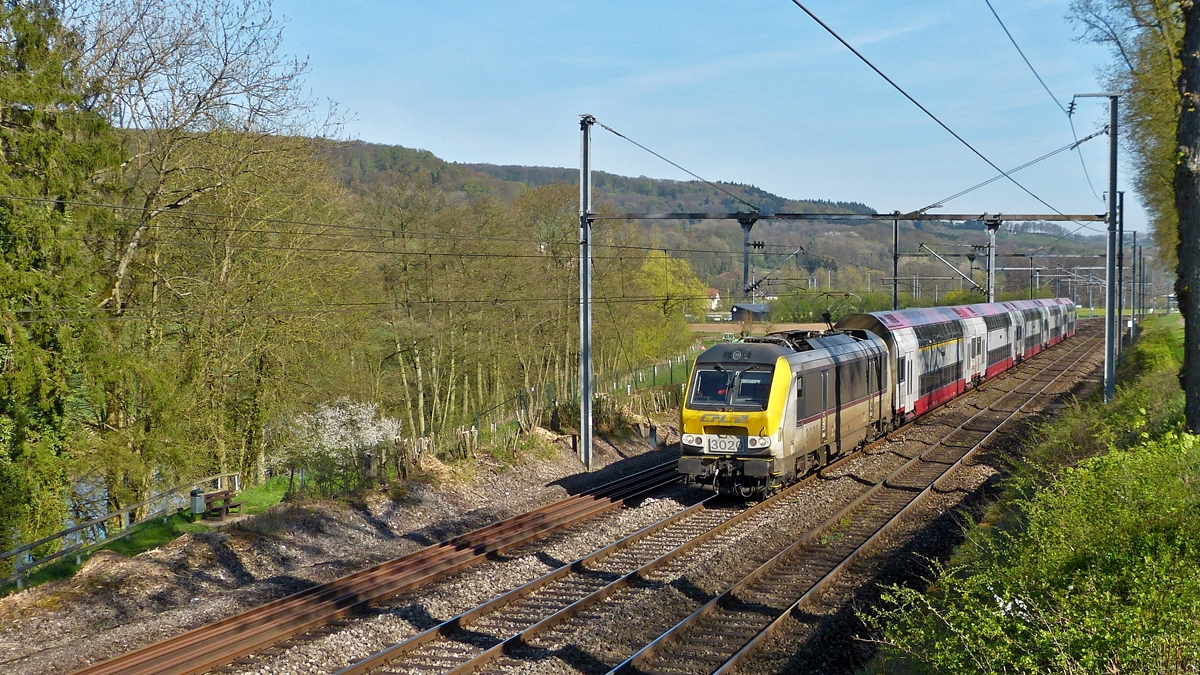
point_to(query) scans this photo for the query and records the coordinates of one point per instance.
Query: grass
(1087, 562)
(157, 533)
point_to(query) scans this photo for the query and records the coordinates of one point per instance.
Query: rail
(25, 561)
(221, 642)
(571, 603)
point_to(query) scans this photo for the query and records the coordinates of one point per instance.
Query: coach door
(871, 370)
(824, 405)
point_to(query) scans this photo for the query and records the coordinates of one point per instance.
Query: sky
(746, 91)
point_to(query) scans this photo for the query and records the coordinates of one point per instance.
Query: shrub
(1101, 579)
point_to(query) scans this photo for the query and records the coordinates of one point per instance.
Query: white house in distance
(714, 297)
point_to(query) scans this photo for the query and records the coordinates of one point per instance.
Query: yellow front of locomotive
(732, 418)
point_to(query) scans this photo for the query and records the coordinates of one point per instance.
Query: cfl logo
(720, 418)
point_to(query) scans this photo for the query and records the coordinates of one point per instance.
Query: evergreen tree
(54, 150)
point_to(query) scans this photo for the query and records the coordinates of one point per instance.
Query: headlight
(758, 442)
(693, 439)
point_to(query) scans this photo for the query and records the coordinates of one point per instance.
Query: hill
(363, 163)
(838, 255)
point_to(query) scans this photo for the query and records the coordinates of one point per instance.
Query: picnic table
(218, 504)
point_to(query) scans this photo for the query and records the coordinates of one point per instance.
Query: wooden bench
(218, 504)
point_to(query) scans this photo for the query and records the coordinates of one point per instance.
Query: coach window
(900, 369)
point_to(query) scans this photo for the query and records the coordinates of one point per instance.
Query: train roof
(725, 352)
(923, 316)
(768, 348)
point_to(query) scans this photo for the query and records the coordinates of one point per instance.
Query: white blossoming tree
(337, 449)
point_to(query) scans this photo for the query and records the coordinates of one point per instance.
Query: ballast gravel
(831, 637)
(409, 614)
(116, 604)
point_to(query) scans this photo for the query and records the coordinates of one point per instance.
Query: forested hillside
(837, 255)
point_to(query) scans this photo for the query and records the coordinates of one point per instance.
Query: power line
(923, 109)
(676, 253)
(374, 233)
(341, 307)
(1070, 117)
(1069, 146)
(694, 175)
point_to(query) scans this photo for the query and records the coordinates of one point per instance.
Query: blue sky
(749, 91)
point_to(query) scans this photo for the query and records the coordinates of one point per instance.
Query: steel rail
(397, 651)
(221, 642)
(638, 662)
(446, 628)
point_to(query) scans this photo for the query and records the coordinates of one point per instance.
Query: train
(761, 413)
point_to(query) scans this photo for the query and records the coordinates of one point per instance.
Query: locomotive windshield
(721, 387)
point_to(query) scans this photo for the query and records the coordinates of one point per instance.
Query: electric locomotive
(762, 412)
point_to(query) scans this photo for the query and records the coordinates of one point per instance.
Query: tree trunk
(1187, 202)
(420, 388)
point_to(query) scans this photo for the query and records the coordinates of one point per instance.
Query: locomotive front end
(731, 418)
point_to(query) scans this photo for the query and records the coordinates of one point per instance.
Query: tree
(53, 147)
(1144, 38)
(672, 293)
(1187, 201)
(1154, 44)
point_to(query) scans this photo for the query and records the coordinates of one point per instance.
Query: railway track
(478, 637)
(223, 642)
(719, 635)
(487, 637)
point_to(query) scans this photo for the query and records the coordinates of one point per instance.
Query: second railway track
(716, 637)
(222, 642)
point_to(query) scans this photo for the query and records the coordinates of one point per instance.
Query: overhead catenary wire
(677, 166)
(993, 179)
(677, 253)
(372, 233)
(333, 308)
(1064, 109)
(920, 106)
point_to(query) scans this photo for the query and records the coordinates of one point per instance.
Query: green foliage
(1144, 38)
(1101, 579)
(675, 294)
(808, 306)
(53, 147)
(1088, 562)
(963, 297)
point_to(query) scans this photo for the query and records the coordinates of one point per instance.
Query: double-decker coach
(936, 353)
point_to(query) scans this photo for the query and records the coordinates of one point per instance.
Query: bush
(1087, 563)
(1101, 579)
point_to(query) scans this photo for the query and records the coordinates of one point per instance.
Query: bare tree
(202, 91)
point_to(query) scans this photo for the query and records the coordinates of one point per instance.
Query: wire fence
(85, 537)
